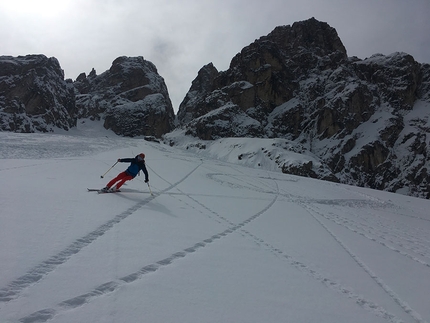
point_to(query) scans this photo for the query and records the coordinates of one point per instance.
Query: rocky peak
(202, 85)
(24, 64)
(365, 120)
(131, 97)
(266, 73)
(302, 44)
(34, 95)
(312, 35)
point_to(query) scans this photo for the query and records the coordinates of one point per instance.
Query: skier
(137, 164)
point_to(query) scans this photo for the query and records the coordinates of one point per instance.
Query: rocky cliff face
(34, 95)
(131, 98)
(367, 120)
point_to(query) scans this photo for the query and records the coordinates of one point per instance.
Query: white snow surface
(216, 242)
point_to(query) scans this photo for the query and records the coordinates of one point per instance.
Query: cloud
(179, 37)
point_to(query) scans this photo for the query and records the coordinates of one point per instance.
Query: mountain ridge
(364, 122)
(357, 116)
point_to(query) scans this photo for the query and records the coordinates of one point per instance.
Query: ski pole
(101, 176)
(150, 191)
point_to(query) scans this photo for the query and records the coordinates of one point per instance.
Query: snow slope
(217, 242)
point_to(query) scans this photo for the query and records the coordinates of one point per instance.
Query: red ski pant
(121, 179)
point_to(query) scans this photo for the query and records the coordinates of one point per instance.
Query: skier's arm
(144, 170)
(125, 160)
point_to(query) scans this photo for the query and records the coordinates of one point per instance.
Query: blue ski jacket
(136, 165)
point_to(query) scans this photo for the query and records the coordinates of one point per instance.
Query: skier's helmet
(141, 156)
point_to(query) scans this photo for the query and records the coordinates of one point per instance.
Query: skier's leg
(123, 180)
(116, 179)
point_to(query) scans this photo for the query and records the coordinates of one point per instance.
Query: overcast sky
(180, 36)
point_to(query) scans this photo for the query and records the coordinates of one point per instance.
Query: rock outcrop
(131, 97)
(367, 120)
(193, 105)
(34, 97)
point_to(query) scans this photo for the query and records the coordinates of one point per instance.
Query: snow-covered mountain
(217, 242)
(360, 122)
(131, 97)
(365, 121)
(34, 96)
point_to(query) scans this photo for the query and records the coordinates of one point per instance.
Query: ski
(100, 191)
(123, 190)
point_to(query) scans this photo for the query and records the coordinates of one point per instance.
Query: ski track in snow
(417, 318)
(35, 274)
(388, 236)
(364, 303)
(408, 246)
(109, 287)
